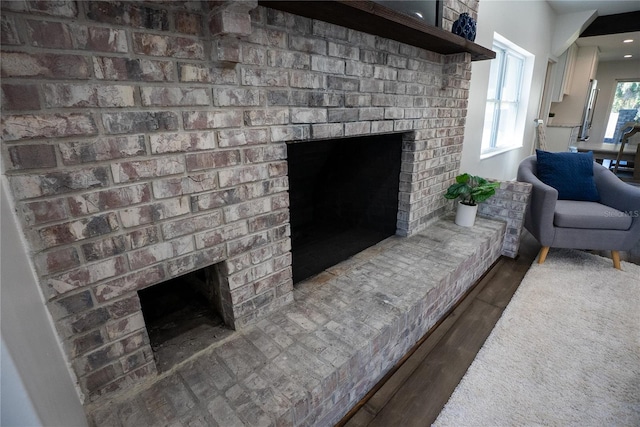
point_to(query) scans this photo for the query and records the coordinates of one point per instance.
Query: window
(507, 97)
(625, 108)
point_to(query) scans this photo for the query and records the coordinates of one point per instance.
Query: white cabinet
(569, 111)
(564, 73)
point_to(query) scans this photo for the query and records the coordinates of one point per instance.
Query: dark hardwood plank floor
(415, 393)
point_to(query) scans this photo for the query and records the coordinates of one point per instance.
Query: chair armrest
(621, 196)
(615, 192)
(542, 204)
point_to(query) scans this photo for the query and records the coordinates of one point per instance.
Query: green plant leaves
(471, 189)
(459, 189)
(464, 178)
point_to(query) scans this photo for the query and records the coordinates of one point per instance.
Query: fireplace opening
(182, 315)
(343, 198)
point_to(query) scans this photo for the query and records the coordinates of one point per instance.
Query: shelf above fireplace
(372, 18)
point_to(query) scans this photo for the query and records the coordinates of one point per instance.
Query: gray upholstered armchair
(612, 224)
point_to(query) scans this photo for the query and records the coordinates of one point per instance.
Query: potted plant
(471, 190)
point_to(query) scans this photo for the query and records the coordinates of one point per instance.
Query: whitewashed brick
(373, 113)
(88, 274)
(357, 128)
(46, 126)
(308, 44)
(382, 126)
(235, 137)
(180, 142)
(371, 85)
(385, 73)
(169, 96)
(240, 175)
(402, 125)
(150, 255)
(284, 59)
(253, 55)
(289, 133)
(98, 201)
(357, 100)
(308, 115)
(122, 327)
(212, 119)
(355, 68)
(194, 183)
(246, 210)
(155, 212)
(192, 225)
(204, 74)
(68, 95)
(107, 148)
(221, 234)
(132, 171)
(393, 113)
(327, 65)
(264, 117)
(306, 80)
(232, 97)
(264, 77)
(327, 130)
(115, 96)
(325, 29)
(30, 186)
(343, 51)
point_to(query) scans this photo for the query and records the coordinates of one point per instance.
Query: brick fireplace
(143, 141)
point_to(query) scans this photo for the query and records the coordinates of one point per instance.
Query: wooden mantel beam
(373, 18)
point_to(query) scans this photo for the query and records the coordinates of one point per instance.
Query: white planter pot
(466, 215)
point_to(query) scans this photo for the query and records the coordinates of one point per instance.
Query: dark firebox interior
(343, 198)
(181, 316)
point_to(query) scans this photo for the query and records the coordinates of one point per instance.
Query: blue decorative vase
(465, 26)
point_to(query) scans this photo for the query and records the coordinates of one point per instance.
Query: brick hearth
(309, 363)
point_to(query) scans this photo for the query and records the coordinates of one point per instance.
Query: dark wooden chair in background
(622, 162)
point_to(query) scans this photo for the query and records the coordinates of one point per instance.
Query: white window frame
(490, 144)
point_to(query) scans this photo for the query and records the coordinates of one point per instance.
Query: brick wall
(509, 205)
(145, 140)
(451, 10)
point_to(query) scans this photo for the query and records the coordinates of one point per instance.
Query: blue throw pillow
(569, 173)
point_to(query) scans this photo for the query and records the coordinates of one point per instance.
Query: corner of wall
(568, 27)
(29, 335)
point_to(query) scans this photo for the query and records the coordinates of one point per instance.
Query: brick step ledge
(312, 361)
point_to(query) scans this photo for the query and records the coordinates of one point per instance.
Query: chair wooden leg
(615, 255)
(543, 254)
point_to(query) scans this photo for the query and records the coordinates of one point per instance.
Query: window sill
(496, 151)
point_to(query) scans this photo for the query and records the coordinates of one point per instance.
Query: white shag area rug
(566, 351)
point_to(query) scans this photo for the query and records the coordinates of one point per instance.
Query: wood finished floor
(415, 393)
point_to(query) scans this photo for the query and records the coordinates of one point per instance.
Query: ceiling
(604, 7)
(611, 46)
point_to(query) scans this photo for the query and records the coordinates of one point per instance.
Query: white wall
(16, 407)
(568, 28)
(608, 73)
(36, 368)
(530, 25)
